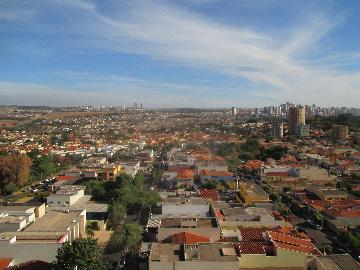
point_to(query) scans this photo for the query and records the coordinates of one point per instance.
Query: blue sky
(183, 53)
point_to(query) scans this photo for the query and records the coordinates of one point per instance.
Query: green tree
(123, 179)
(126, 239)
(138, 179)
(96, 189)
(156, 174)
(209, 185)
(43, 166)
(274, 197)
(150, 198)
(117, 213)
(84, 254)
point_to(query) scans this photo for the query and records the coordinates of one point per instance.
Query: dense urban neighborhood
(163, 189)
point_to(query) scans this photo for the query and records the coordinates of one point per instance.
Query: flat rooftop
(11, 220)
(5, 208)
(184, 200)
(216, 252)
(54, 221)
(176, 222)
(165, 252)
(33, 236)
(253, 189)
(84, 203)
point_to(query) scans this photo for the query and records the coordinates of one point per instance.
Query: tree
(43, 166)
(275, 152)
(209, 185)
(274, 197)
(139, 179)
(150, 198)
(117, 213)
(14, 169)
(156, 174)
(126, 239)
(96, 189)
(84, 254)
(123, 179)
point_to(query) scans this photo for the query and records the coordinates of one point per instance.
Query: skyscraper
(277, 130)
(296, 118)
(233, 111)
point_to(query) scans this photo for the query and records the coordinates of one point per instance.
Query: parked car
(314, 225)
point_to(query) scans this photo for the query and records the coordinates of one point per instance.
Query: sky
(180, 53)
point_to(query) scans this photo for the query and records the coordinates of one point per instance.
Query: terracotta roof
(291, 231)
(293, 243)
(215, 173)
(277, 174)
(254, 164)
(252, 235)
(210, 194)
(250, 248)
(64, 177)
(185, 174)
(188, 238)
(5, 263)
(348, 213)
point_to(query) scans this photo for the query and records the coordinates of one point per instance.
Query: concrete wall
(40, 211)
(65, 199)
(12, 227)
(192, 265)
(283, 259)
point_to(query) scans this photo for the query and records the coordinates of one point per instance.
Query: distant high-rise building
(296, 117)
(256, 112)
(277, 111)
(135, 105)
(340, 132)
(277, 130)
(233, 111)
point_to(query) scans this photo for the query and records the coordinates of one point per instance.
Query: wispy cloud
(278, 63)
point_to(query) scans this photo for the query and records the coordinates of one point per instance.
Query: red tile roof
(215, 173)
(252, 235)
(64, 177)
(5, 263)
(347, 213)
(254, 164)
(188, 238)
(185, 174)
(209, 194)
(282, 174)
(250, 248)
(293, 243)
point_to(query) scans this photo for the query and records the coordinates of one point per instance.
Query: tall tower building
(340, 132)
(277, 130)
(296, 118)
(233, 111)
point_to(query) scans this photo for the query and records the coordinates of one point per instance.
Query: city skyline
(189, 53)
